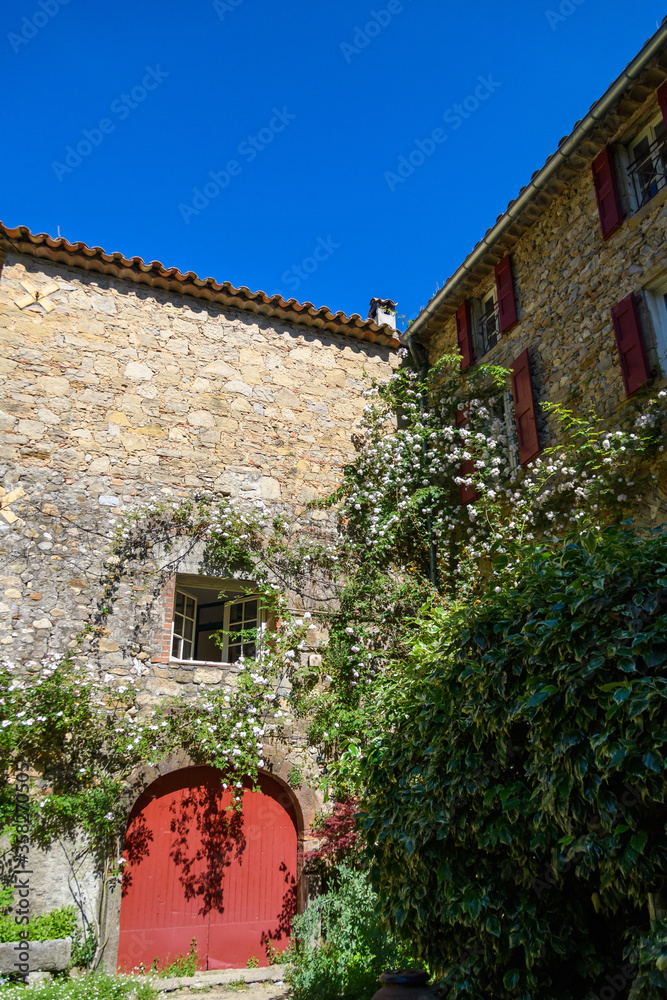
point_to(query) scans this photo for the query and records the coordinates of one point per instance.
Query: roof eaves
(574, 152)
(78, 255)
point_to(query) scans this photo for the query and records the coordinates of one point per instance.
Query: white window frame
(179, 641)
(655, 295)
(503, 411)
(226, 613)
(227, 619)
(510, 430)
(648, 132)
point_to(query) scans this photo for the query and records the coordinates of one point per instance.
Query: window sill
(659, 199)
(203, 663)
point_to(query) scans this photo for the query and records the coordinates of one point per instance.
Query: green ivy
(515, 809)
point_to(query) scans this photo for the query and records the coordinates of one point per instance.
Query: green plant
(340, 948)
(274, 956)
(515, 808)
(58, 923)
(182, 965)
(253, 962)
(295, 776)
(84, 946)
(94, 986)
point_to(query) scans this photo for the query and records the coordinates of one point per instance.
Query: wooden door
(197, 869)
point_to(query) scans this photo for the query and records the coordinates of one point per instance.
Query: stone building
(125, 381)
(568, 287)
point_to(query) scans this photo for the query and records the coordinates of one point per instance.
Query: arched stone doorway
(197, 869)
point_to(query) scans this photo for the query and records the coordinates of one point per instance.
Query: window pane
(234, 653)
(207, 648)
(175, 646)
(178, 624)
(180, 602)
(187, 651)
(250, 609)
(249, 650)
(189, 628)
(236, 613)
(190, 608)
(211, 615)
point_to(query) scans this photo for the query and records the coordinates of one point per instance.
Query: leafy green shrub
(94, 986)
(515, 811)
(346, 963)
(58, 923)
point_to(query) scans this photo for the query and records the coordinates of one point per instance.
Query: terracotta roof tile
(155, 274)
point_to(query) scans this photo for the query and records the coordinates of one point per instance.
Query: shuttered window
(662, 101)
(606, 192)
(524, 410)
(506, 300)
(630, 344)
(468, 494)
(464, 334)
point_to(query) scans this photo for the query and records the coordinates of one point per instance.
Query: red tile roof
(155, 274)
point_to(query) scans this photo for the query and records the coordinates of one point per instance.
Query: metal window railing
(489, 330)
(648, 173)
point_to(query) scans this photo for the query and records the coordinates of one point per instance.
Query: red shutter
(464, 334)
(505, 289)
(662, 100)
(468, 494)
(524, 410)
(606, 192)
(630, 344)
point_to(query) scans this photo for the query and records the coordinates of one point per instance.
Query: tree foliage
(515, 812)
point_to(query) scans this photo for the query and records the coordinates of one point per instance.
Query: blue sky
(234, 138)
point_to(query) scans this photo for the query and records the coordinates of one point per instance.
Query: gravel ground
(245, 991)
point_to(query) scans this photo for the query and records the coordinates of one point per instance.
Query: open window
(647, 163)
(502, 413)
(214, 624)
(655, 297)
(481, 322)
(487, 325)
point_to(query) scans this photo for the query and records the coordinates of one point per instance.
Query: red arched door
(197, 869)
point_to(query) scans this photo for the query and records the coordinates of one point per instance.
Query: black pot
(405, 984)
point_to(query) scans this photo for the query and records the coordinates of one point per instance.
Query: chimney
(383, 311)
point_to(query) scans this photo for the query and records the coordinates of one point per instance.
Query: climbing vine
(404, 541)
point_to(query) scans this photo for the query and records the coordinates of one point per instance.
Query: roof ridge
(22, 240)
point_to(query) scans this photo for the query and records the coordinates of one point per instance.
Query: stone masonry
(567, 279)
(123, 393)
(114, 393)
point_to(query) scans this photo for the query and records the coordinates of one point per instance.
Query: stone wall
(122, 393)
(567, 278)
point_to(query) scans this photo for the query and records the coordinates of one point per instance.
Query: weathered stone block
(34, 956)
